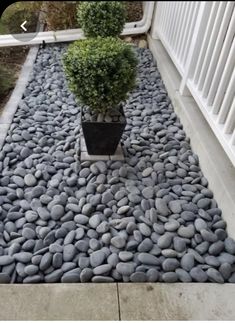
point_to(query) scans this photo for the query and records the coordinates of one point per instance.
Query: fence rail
(200, 39)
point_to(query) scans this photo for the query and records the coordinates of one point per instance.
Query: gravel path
(151, 218)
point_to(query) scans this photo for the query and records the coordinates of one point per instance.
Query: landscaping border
(10, 108)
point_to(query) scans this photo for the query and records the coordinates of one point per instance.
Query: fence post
(197, 37)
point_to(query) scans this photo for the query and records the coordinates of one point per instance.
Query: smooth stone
(55, 247)
(144, 229)
(81, 219)
(204, 203)
(175, 206)
(229, 245)
(125, 268)
(32, 279)
(30, 180)
(6, 260)
(145, 246)
(69, 252)
(172, 225)
(54, 276)
(186, 231)
(225, 269)
(162, 207)
(169, 253)
(87, 209)
(170, 264)
(146, 172)
(31, 270)
(215, 275)
(165, 240)
(216, 248)
(97, 258)
(125, 255)
(148, 259)
(202, 248)
(94, 221)
(102, 269)
(212, 261)
(200, 224)
(198, 275)
(102, 279)
(187, 262)
(226, 257)
(179, 244)
(152, 275)
(45, 261)
(23, 257)
(82, 245)
(183, 275)
(123, 209)
(138, 277)
(86, 275)
(208, 236)
(148, 192)
(57, 211)
(70, 278)
(170, 277)
(118, 242)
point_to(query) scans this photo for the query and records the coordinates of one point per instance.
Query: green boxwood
(101, 18)
(100, 71)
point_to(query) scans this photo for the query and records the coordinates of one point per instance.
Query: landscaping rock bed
(150, 218)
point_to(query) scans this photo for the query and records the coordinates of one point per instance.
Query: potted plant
(100, 72)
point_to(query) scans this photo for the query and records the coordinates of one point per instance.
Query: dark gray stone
(148, 259)
(125, 268)
(97, 258)
(162, 207)
(138, 277)
(170, 264)
(215, 276)
(187, 261)
(170, 277)
(229, 245)
(198, 275)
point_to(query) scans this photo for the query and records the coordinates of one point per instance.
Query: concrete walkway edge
(122, 301)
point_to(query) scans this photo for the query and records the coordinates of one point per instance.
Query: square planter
(102, 138)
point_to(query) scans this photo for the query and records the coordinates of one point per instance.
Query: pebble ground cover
(150, 218)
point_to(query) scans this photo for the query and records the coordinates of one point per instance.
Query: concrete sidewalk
(146, 301)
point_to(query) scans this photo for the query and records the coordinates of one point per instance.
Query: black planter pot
(102, 138)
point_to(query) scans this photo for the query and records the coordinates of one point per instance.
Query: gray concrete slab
(59, 302)
(161, 301)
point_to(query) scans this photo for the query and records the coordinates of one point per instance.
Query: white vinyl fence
(199, 37)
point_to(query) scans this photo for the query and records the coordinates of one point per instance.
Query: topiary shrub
(100, 71)
(101, 18)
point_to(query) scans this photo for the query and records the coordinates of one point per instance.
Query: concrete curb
(12, 104)
(117, 301)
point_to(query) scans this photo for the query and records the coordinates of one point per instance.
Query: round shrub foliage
(101, 18)
(100, 71)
